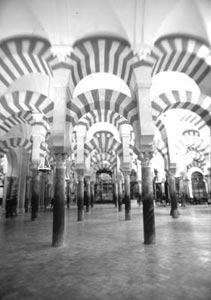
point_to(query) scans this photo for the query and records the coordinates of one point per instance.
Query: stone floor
(104, 257)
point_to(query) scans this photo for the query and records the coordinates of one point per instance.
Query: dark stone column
(127, 195)
(59, 202)
(14, 196)
(88, 193)
(147, 199)
(115, 192)
(68, 192)
(42, 189)
(139, 200)
(27, 193)
(120, 195)
(172, 190)
(8, 202)
(92, 193)
(34, 192)
(80, 194)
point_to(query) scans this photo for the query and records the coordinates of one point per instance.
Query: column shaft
(80, 195)
(88, 194)
(42, 189)
(172, 189)
(92, 193)
(148, 203)
(115, 193)
(120, 195)
(35, 193)
(127, 196)
(59, 202)
(27, 193)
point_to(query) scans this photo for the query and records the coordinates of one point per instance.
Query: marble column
(68, 192)
(139, 182)
(80, 194)
(127, 195)
(34, 191)
(42, 189)
(92, 193)
(88, 193)
(59, 201)
(209, 185)
(27, 193)
(8, 189)
(120, 194)
(24, 164)
(172, 190)
(115, 192)
(147, 198)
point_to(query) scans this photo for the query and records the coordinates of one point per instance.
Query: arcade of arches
(113, 112)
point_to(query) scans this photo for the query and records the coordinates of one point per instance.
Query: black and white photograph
(105, 149)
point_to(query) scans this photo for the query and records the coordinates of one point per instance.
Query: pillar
(115, 192)
(209, 185)
(42, 189)
(92, 193)
(127, 195)
(24, 164)
(34, 191)
(139, 181)
(68, 192)
(80, 194)
(59, 201)
(88, 193)
(172, 190)
(147, 199)
(27, 193)
(38, 137)
(119, 192)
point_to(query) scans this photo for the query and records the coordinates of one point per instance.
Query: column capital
(172, 168)
(146, 158)
(126, 172)
(34, 165)
(80, 174)
(60, 160)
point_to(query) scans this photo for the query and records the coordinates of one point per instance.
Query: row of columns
(59, 199)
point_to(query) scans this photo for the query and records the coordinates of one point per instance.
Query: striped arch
(103, 161)
(108, 116)
(102, 142)
(184, 100)
(102, 99)
(11, 143)
(101, 54)
(194, 120)
(23, 55)
(182, 54)
(198, 164)
(162, 144)
(201, 147)
(15, 103)
(24, 117)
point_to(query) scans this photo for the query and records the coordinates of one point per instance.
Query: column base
(127, 216)
(57, 244)
(80, 215)
(174, 213)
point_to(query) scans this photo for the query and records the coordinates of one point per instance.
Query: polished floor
(104, 256)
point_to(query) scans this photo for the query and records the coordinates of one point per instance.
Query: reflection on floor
(104, 256)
